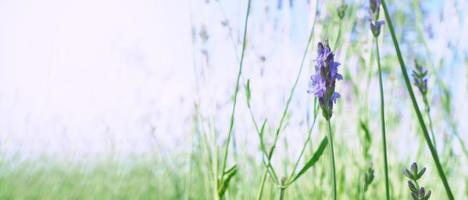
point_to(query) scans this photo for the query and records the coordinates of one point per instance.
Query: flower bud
(374, 7)
(375, 27)
(341, 11)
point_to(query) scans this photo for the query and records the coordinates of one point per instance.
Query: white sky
(79, 69)
(95, 76)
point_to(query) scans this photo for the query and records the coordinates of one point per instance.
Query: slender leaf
(312, 160)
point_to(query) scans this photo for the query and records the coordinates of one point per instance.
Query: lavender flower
(375, 27)
(417, 192)
(375, 7)
(323, 81)
(375, 24)
(420, 78)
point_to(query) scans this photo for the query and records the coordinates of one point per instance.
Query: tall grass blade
(382, 118)
(415, 103)
(317, 154)
(236, 91)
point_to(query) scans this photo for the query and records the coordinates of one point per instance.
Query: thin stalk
(332, 159)
(438, 80)
(415, 103)
(268, 166)
(309, 134)
(214, 161)
(236, 91)
(282, 188)
(262, 144)
(262, 147)
(188, 182)
(257, 128)
(282, 192)
(453, 126)
(338, 36)
(291, 94)
(429, 118)
(262, 184)
(382, 118)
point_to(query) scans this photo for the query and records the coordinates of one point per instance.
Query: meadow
(292, 100)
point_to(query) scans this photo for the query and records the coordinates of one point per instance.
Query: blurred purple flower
(323, 81)
(374, 6)
(375, 23)
(375, 27)
(420, 77)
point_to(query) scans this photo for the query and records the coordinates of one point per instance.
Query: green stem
(291, 94)
(382, 118)
(282, 188)
(415, 103)
(338, 36)
(332, 159)
(438, 80)
(262, 146)
(429, 118)
(257, 128)
(268, 167)
(309, 134)
(462, 144)
(282, 192)
(262, 185)
(263, 149)
(236, 91)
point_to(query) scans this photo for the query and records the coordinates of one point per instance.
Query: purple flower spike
(323, 81)
(420, 78)
(375, 24)
(374, 6)
(375, 27)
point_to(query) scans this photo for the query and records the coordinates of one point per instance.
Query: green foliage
(318, 153)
